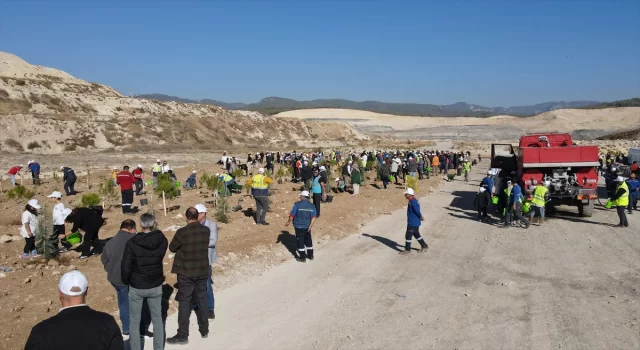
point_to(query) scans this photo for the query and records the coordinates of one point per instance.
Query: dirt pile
(49, 111)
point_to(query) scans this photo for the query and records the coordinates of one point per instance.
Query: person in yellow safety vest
(157, 169)
(466, 169)
(260, 192)
(507, 195)
(540, 198)
(620, 200)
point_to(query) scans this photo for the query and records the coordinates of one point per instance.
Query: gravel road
(572, 284)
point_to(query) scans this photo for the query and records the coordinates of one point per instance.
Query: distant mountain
(274, 105)
(632, 102)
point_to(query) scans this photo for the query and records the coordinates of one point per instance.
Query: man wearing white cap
(76, 326)
(303, 215)
(60, 213)
(138, 176)
(620, 200)
(213, 240)
(260, 192)
(13, 172)
(414, 220)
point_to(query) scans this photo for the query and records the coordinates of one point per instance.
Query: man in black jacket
(76, 326)
(69, 178)
(142, 272)
(112, 260)
(191, 264)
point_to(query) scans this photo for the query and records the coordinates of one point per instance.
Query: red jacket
(14, 170)
(125, 180)
(137, 173)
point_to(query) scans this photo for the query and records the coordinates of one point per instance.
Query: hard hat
(619, 179)
(547, 183)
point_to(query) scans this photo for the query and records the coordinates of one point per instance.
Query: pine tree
(222, 209)
(46, 244)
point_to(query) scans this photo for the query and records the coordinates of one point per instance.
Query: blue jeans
(123, 306)
(13, 180)
(210, 299)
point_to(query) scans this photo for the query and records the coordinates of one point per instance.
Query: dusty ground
(245, 250)
(583, 123)
(573, 283)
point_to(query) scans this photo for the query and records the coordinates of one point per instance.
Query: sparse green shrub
(89, 200)
(107, 191)
(211, 182)
(56, 177)
(19, 191)
(167, 185)
(14, 144)
(33, 144)
(412, 182)
(238, 173)
(222, 209)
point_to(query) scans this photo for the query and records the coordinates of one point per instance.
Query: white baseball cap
(34, 203)
(193, 172)
(200, 208)
(140, 166)
(217, 174)
(55, 194)
(322, 167)
(618, 179)
(62, 167)
(261, 170)
(157, 160)
(409, 191)
(350, 162)
(547, 183)
(115, 168)
(304, 193)
(73, 283)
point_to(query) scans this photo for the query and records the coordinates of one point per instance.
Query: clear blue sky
(484, 52)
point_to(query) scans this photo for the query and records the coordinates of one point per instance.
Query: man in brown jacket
(191, 264)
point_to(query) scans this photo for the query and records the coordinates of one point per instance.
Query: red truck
(552, 157)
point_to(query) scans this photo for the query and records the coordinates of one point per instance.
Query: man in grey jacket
(213, 240)
(111, 259)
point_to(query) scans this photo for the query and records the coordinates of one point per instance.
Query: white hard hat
(261, 170)
(193, 172)
(619, 179)
(217, 174)
(200, 208)
(614, 169)
(304, 194)
(409, 191)
(157, 160)
(547, 183)
(140, 166)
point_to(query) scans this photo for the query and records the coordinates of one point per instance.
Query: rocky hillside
(45, 110)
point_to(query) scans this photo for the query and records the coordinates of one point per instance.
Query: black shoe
(302, 260)
(204, 334)
(212, 315)
(424, 249)
(178, 340)
(310, 258)
(405, 252)
(265, 223)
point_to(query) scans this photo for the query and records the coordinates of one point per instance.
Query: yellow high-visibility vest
(538, 196)
(623, 201)
(258, 182)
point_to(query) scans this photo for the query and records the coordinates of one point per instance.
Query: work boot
(178, 340)
(424, 248)
(405, 252)
(527, 224)
(310, 254)
(212, 315)
(302, 258)
(204, 333)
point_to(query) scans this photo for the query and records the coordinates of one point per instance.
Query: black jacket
(307, 173)
(86, 219)
(77, 328)
(482, 200)
(68, 174)
(142, 260)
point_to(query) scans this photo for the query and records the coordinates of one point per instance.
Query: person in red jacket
(138, 175)
(13, 172)
(125, 179)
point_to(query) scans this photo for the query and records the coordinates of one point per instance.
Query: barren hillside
(49, 111)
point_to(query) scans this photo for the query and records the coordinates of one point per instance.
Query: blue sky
(484, 52)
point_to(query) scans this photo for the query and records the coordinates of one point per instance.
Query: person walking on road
(260, 192)
(111, 258)
(414, 220)
(620, 200)
(515, 206)
(143, 272)
(213, 240)
(481, 204)
(125, 179)
(191, 263)
(303, 216)
(634, 186)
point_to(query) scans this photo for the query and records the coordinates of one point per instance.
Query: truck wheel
(585, 209)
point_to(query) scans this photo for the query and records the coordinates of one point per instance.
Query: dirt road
(572, 283)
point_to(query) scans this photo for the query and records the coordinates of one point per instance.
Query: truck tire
(585, 210)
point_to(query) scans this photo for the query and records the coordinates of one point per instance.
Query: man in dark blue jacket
(34, 169)
(634, 186)
(487, 183)
(414, 219)
(303, 215)
(69, 178)
(515, 205)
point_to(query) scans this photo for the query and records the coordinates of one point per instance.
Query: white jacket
(60, 213)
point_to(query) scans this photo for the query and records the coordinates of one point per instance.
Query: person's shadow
(288, 241)
(386, 241)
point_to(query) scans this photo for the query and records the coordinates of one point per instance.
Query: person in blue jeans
(414, 220)
(634, 186)
(303, 216)
(319, 189)
(111, 258)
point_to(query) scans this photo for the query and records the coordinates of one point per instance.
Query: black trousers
(57, 231)
(413, 231)
(317, 198)
(192, 289)
(139, 186)
(127, 201)
(29, 244)
(68, 187)
(482, 213)
(91, 240)
(304, 242)
(262, 206)
(36, 178)
(622, 216)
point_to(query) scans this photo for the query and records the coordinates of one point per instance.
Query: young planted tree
(46, 242)
(222, 209)
(108, 192)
